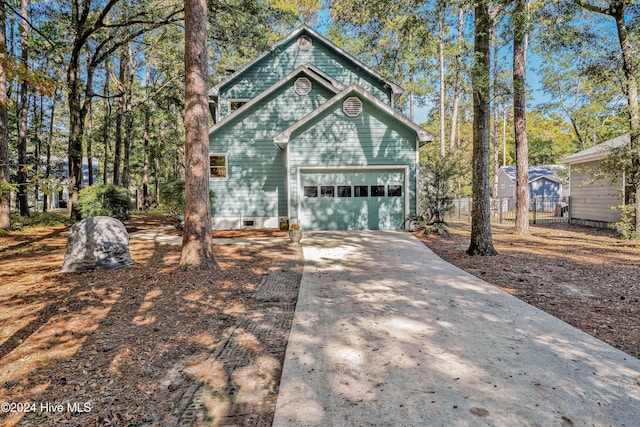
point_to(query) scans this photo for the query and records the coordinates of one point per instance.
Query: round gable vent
(302, 86)
(304, 42)
(352, 106)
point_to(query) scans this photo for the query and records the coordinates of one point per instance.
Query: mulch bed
(584, 276)
(123, 342)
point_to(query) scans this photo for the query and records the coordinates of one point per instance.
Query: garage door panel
(357, 209)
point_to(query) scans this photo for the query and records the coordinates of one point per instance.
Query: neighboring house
(58, 178)
(307, 134)
(544, 182)
(591, 198)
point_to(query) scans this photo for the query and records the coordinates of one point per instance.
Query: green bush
(436, 192)
(626, 227)
(36, 219)
(105, 200)
(172, 197)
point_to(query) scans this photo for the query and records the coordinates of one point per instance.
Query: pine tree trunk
(23, 201)
(520, 19)
(47, 165)
(145, 151)
(457, 81)
(76, 128)
(117, 155)
(441, 35)
(481, 239)
(39, 119)
(197, 251)
(494, 137)
(128, 119)
(107, 122)
(5, 194)
(76, 120)
(631, 89)
(89, 142)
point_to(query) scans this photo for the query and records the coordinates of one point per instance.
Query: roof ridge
(395, 88)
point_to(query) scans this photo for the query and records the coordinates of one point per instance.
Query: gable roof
(282, 139)
(550, 172)
(324, 80)
(395, 89)
(597, 152)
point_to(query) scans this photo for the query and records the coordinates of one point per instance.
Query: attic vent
(352, 106)
(302, 86)
(304, 43)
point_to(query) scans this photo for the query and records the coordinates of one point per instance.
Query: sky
(533, 80)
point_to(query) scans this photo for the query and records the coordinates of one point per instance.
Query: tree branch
(36, 30)
(592, 7)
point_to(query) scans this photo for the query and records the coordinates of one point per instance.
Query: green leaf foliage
(172, 197)
(104, 200)
(436, 190)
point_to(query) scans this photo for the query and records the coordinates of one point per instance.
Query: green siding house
(308, 134)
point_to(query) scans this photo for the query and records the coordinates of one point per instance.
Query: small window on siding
(360, 191)
(310, 191)
(344, 191)
(235, 104)
(217, 166)
(304, 42)
(377, 191)
(302, 86)
(327, 191)
(394, 190)
(352, 106)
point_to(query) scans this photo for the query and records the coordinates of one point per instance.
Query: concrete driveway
(387, 334)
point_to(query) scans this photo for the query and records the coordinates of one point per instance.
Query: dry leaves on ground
(110, 338)
(584, 276)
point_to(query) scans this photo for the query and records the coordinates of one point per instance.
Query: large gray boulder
(97, 243)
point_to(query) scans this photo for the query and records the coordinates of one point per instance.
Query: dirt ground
(114, 340)
(583, 276)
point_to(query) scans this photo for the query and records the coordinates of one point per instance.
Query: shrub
(107, 200)
(435, 191)
(172, 197)
(36, 219)
(626, 227)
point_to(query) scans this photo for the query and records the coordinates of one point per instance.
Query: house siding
(591, 200)
(509, 189)
(277, 64)
(256, 169)
(333, 140)
(545, 188)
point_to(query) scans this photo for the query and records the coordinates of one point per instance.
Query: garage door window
(310, 191)
(377, 191)
(360, 191)
(344, 191)
(394, 190)
(327, 191)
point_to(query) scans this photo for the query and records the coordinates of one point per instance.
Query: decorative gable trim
(305, 29)
(302, 86)
(303, 70)
(282, 139)
(325, 76)
(352, 106)
(304, 42)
